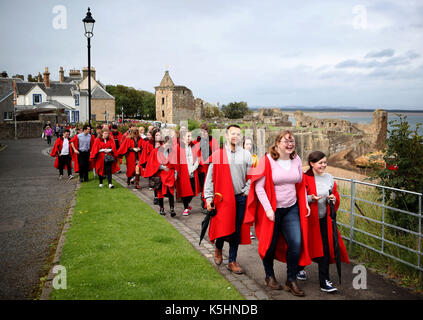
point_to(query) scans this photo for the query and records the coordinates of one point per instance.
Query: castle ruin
(175, 103)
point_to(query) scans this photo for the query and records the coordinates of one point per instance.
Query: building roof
(48, 105)
(100, 93)
(167, 80)
(55, 89)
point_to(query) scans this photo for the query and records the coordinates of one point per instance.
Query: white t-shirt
(65, 147)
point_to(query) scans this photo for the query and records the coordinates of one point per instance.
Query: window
(163, 113)
(7, 115)
(163, 100)
(76, 97)
(75, 116)
(36, 99)
(68, 116)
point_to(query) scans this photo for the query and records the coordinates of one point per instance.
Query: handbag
(155, 182)
(108, 158)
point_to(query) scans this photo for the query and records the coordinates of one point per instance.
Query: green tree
(135, 103)
(211, 112)
(235, 110)
(404, 170)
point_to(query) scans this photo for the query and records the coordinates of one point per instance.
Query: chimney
(47, 78)
(85, 72)
(61, 75)
(39, 77)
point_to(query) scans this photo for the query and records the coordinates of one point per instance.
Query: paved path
(33, 205)
(251, 283)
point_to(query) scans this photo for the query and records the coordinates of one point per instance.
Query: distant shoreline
(334, 110)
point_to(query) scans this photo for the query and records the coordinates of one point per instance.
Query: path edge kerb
(48, 285)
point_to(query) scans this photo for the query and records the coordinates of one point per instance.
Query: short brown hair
(272, 150)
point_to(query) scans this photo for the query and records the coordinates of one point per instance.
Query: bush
(403, 170)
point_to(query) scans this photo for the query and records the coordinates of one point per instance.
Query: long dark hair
(314, 157)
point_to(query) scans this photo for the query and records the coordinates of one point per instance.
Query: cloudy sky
(268, 53)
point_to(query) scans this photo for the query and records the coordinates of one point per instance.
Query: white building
(68, 93)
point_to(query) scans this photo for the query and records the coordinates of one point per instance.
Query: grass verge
(118, 247)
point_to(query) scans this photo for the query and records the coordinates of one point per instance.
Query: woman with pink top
(279, 210)
(48, 133)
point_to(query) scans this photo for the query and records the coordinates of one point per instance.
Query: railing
(376, 226)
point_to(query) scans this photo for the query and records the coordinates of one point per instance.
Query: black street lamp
(89, 26)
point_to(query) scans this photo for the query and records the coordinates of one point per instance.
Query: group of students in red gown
(289, 208)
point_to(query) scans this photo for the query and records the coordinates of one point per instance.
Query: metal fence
(354, 231)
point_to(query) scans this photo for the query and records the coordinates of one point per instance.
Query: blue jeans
(234, 238)
(287, 222)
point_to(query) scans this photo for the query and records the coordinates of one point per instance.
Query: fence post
(352, 215)
(383, 218)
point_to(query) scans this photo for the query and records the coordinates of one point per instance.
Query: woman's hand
(165, 168)
(308, 211)
(270, 215)
(315, 198)
(332, 198)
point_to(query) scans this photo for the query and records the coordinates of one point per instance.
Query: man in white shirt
(64, 156)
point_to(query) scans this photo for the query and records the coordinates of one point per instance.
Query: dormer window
(76, 97)
(36, 99)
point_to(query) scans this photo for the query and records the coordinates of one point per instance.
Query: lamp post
(89, 26)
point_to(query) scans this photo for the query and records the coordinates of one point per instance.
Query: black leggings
(187, 200)
(108, 172)
(171, 199)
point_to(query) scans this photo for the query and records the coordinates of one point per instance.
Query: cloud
(398, 60)
(380, 54)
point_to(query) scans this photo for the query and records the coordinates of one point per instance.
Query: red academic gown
(75, 156)
(131, 156)
(147, 147)
(255, 214)
(118, 143)
(315, 245)
(98, 157)
(223, 223)
(183, 183)
(156, 159)
(57, 148)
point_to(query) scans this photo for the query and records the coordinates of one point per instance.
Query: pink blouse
(284, 181)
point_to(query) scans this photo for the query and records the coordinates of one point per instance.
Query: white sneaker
(100, 185)
(328, 287)
(186, 212)
(60, 177)
(111, 186)
(70, 177)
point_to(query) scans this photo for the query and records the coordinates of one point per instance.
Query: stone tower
(174, 103)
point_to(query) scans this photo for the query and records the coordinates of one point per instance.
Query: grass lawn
(120, 248)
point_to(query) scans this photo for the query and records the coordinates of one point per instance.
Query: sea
(365, 117)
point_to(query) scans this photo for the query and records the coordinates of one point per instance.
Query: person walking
(187, 183)
(227, 175)
(103, 155)
(206, 144)
(279, 210)
(48, 132)
(82, 144)
(130, 148)
(160, 168)
(63, 153)
(321, 188)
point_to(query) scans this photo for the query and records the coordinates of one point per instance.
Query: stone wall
(25, 129)
(98, 106)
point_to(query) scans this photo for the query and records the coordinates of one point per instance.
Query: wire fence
(363, 220)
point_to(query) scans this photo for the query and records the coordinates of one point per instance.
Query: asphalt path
(33, 206)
